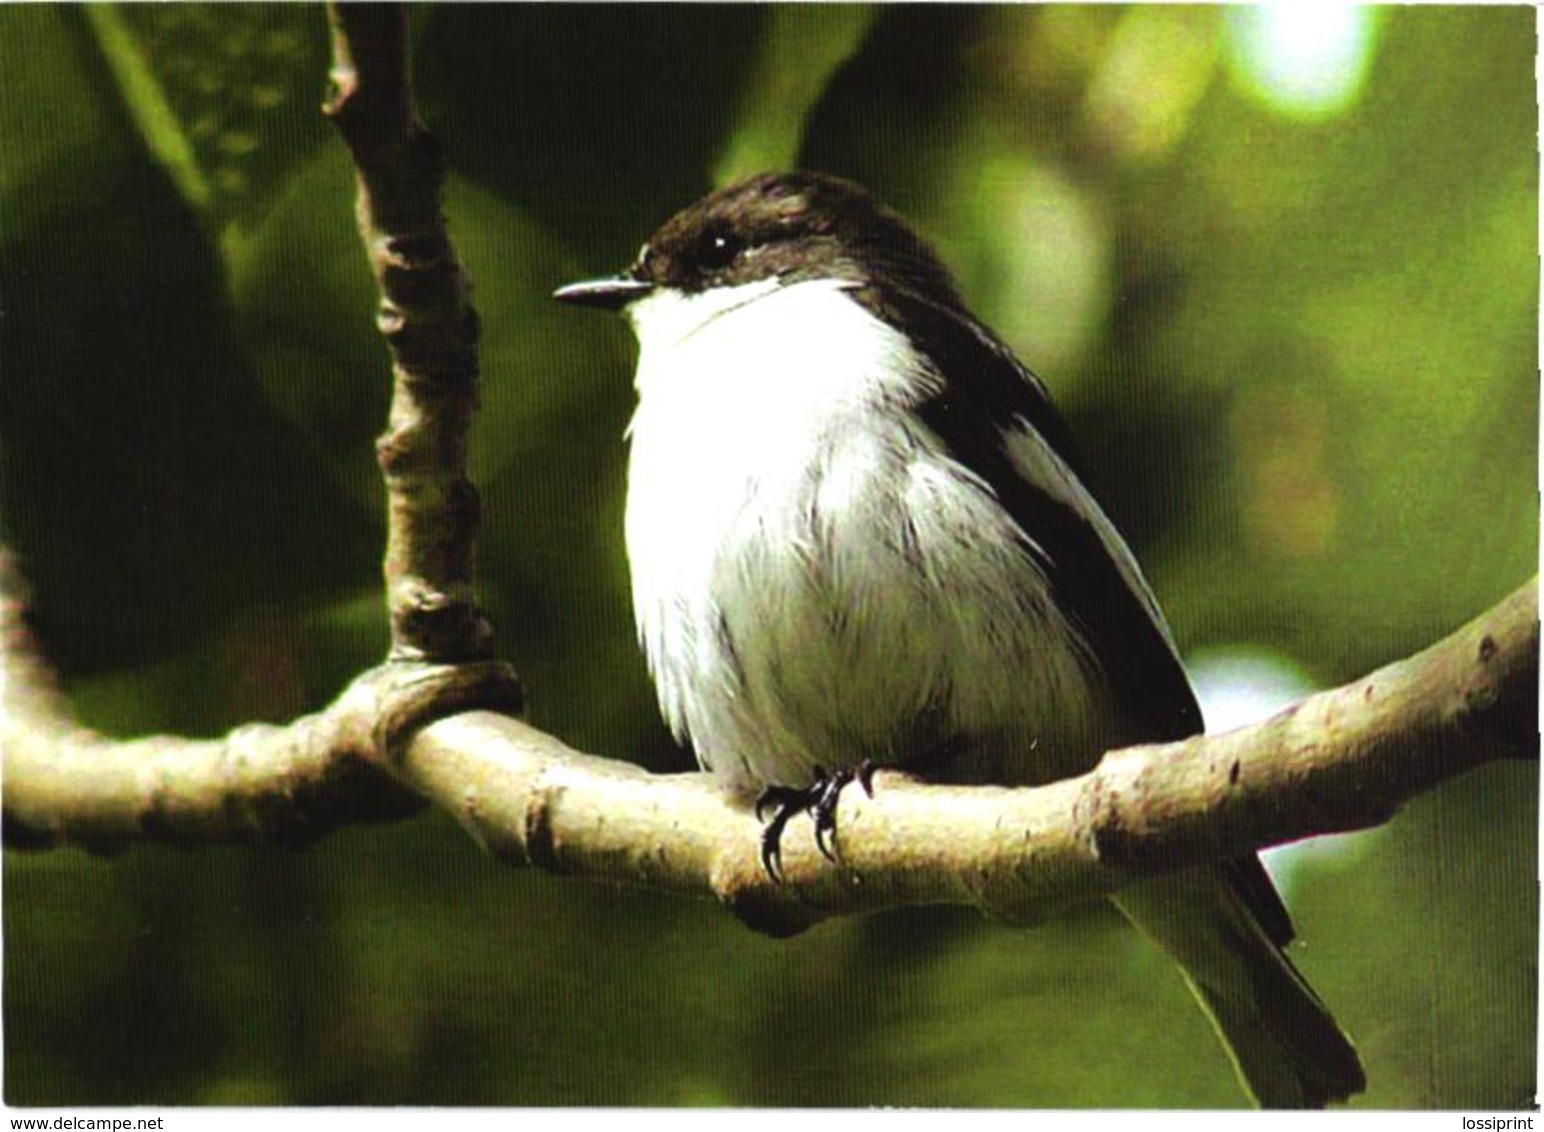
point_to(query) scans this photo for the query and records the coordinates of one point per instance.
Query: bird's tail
(1287, 1049)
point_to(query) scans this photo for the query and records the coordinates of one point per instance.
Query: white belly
(815, 582)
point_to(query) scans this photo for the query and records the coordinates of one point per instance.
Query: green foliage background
(1299, 350)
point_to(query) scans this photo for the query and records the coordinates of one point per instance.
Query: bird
(857, 538)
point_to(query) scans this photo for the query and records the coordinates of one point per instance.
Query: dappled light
(1304, 60)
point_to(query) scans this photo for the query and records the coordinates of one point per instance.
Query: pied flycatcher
(856, 538)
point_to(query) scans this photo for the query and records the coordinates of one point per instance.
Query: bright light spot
(1242, 686)
(1304, 59)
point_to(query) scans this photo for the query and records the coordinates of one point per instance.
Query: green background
(1297, 342)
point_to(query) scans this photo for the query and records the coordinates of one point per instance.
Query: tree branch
(426, 317)
(260, 784)
(1340, 760)
(287, 785)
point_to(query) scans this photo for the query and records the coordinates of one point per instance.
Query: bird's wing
(996, 419)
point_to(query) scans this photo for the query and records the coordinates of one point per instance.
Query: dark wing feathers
(990, 396)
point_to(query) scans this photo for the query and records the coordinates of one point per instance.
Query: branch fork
(436, 722)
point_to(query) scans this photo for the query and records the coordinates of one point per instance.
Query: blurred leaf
(223, 96)
(147, 105)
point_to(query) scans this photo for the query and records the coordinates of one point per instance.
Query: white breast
(815, 581)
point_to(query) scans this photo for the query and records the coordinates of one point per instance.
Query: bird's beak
(607, 294)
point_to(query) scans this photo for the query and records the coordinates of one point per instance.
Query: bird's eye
(719, 249)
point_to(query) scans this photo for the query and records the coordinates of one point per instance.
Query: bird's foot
(819, 799)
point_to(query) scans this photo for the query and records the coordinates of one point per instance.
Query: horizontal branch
(260, 784)
(1340, 760)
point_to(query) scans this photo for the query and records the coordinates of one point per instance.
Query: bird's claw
(785, 801)
(819, 800)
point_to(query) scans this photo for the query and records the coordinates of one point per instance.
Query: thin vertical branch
(428, 322)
